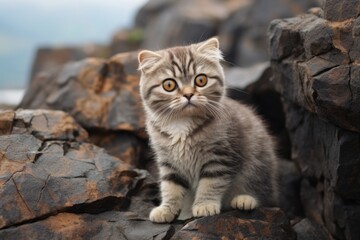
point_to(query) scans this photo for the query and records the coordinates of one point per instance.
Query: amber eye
(201, 80)
(169, 85)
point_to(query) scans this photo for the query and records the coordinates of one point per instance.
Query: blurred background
(37, 35)
(27, 25)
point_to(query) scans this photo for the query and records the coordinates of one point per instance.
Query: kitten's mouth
(188, 105)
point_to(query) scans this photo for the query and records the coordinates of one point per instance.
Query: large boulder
(47, 58)
(46, 167)
(102, 95)
(315, 63)
(99, 93)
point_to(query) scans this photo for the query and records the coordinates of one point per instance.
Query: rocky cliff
(315, 61)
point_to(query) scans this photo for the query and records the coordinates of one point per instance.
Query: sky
(26, 25)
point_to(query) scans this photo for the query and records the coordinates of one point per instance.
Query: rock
(307, 230)
(314, 68)
(122, 144)
(329, 160)
(242, 77)
(243, 34)
(253, 86)
(107, 225)
(47, 58)
(290, 179)
(101, 94)
(339, 10)
(46, 168)
(170, 23)
(126, 40)
(314, 60)
(240, 25)
(258, 224)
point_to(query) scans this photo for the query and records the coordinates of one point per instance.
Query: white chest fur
(178, 130)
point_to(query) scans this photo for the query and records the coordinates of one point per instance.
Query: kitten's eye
(169, 85)
(201, 80)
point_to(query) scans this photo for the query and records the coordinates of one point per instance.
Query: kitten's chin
(190, 109)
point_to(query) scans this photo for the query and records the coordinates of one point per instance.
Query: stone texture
(46, 167)
(122, 144)
(338, 10)
(315, 63)
(331, 170)
(260, 223)
(47, 58)
(307, 230)
(290, 180)
(101, 94)
(315, 66)
(108, 225)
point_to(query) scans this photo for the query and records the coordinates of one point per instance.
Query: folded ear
(146, 55)
(210, 43)
(210, 48)
(147, 58)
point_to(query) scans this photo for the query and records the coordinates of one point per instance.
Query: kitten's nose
(188, 96)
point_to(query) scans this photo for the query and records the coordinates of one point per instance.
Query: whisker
(237, 90)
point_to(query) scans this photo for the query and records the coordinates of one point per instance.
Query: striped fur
(212, 154)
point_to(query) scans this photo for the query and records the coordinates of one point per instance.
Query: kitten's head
(182, 81)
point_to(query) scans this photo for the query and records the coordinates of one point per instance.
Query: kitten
(213, 153)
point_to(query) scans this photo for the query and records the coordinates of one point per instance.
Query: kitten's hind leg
(244, 202)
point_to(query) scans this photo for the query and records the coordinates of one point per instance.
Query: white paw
(161, 214)
(244, 202)
(206, 209)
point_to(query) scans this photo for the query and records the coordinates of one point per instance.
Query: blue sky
(26, 25)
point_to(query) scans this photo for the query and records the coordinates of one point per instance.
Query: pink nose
(188, 95)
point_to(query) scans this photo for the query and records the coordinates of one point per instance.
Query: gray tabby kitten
(212, 152)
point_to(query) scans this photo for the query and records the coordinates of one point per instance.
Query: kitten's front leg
(211, 188)
(173, 188)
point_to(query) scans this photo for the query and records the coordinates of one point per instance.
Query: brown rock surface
(258, 224)
(48, 58)
(315, 66)
(101, 94)
(108, 225)
(98, 93)
(45, 168)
